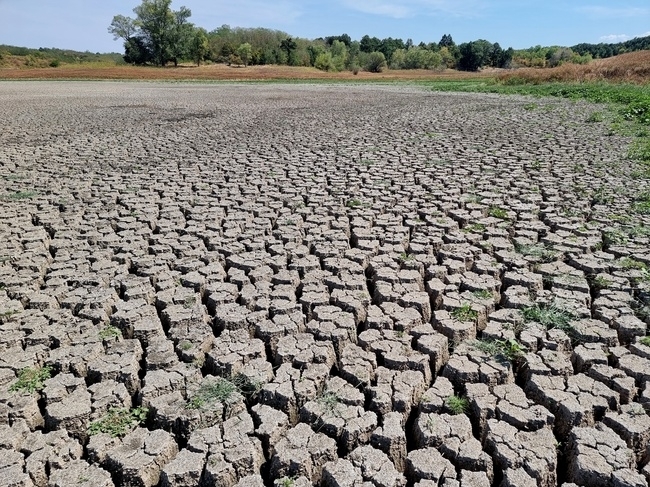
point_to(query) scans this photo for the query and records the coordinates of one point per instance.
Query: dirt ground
(333, 285)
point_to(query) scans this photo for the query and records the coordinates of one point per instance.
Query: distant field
(223, 72)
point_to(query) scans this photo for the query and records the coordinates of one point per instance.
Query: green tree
(324, 62)
(339, 55)
(122, 28)
(164, 34)
(244, 51)
(156, 22)
(181, 35)
(199, 46)
(289, 46)
(376, 62)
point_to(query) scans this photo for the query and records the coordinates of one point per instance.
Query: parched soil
(330, 285)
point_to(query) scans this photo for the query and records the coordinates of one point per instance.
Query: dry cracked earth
(339, 286)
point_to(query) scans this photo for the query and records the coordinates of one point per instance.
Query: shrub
(324, 62)
(376, 62)
(55, 63)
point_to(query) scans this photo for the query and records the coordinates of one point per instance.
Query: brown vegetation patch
(223, 72)
(633, 67)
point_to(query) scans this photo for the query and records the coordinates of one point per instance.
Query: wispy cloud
(613, 12)
(613, 38)
(401, 9)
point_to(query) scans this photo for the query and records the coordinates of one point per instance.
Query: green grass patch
(497, 212)
(645, 341)
(110, 332)
(457, 404)
(537, 251)
(21, 195)
(550, 316)
(117, 422)
(31, 379)
(509, 349)
(223, 391)
(464, 313)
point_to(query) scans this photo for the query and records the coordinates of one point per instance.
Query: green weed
(354, 203)
(110, 332)
(21, 195)
(645, 341)
(497, 212)
(117, 422)
(595, 117)
(550, 316)
(537, 251)
(457, 404)
(509, 349)
(483, 294)
(31, 379)
(464, 313)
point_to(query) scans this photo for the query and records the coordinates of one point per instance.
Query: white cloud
(609, 12)
(400, 9)
(613, 38)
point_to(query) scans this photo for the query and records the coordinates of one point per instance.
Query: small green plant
(531, 106)
(404, 257)
(185, 345)
(474, 228)
(213, 391)
(510, 349)
(189, 302)
(330, 401)
(110, 332)
(464, 313)
(31, 379)
(224, 391)
(483, 294)
(537, 251)
(550, 316)
(630, 263)
(117, 422)
(457, 404)
(595, 117)
(497, 212)
(601, 282)
(354, 203)
(645, 341)
(22, 195)
(288, 481)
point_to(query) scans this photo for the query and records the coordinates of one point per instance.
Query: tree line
(159, 35)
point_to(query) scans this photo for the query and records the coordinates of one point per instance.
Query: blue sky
(82, 24)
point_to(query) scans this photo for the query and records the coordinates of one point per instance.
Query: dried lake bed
(308, 284)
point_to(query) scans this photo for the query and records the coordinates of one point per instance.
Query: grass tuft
(464, 313)
(457, 404)
(117, 422)
(31, 379)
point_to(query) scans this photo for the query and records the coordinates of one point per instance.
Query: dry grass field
(633, 67)
(221, 72)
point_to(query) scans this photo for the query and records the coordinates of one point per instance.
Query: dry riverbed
(330, 285)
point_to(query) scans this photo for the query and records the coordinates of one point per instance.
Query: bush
(376, 62)
(55, 63)
(324, 62)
